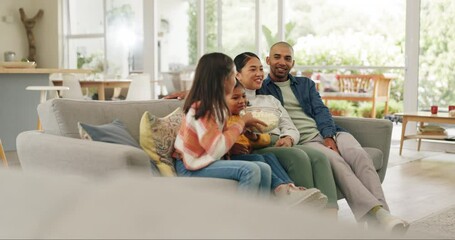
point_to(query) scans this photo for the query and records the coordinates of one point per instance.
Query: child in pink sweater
(204, 138)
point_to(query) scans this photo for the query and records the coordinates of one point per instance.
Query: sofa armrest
(38, 150)
(375, 133)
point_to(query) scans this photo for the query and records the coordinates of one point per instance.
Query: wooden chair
(3, 155)
(359, 87)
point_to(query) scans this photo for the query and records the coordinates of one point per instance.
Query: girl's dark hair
(238, 84)
(211, 73)
(241, 59)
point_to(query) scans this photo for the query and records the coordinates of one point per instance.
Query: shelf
(41, 70)
(421, 136)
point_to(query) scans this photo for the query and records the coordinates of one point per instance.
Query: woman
(307, 167)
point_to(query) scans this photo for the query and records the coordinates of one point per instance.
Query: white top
(285, 127)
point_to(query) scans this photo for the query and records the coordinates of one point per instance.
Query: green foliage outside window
(273, 38)
(437, 58)
(334, 36)
(123, 14)
(93, 61)
(210, 25)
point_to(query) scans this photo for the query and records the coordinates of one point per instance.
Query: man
(352, 167)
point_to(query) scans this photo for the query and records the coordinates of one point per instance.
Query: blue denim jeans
(279, 175)
(253, 177)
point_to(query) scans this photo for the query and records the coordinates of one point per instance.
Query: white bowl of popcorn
(270, 116)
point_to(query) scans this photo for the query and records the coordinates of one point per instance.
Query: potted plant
(340, 108)
(364, 109)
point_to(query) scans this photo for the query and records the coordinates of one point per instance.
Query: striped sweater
(201, 142)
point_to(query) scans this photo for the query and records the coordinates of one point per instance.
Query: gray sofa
(59, 148)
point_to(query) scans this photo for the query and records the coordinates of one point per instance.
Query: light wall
(46, 31)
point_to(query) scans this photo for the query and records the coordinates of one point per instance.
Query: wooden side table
(421, 118)
(3, 155)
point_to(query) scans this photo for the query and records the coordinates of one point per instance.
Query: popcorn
(269, 116)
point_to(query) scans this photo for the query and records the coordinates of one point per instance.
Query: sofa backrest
(60, 116)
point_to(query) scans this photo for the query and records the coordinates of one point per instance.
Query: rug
(439, 225)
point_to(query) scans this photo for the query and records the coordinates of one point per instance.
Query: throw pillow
(157, 137)
(113, 132)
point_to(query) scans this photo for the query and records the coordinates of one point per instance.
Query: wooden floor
(416, 185)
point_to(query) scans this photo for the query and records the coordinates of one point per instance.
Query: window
(104, 35)
(436, 60)
(85, 36)
(346, 37)
(269, 27)
(350, 32)
(328, 35)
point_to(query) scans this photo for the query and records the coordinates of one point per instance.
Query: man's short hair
(282, 43)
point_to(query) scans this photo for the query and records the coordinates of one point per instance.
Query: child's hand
(251, 135)
(238, 149)
(253, 123)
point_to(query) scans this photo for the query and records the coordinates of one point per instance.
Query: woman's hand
(286, 141)
(253, 123)
(330, 143)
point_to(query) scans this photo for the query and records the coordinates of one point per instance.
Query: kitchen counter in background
(42, 70)
(17, 105)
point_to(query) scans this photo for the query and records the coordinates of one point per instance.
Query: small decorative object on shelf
(9, 56)
(434, 109)
(432, 130)
(29, 24)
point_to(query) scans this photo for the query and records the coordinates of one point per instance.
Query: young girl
(204, 139)
(283, 187)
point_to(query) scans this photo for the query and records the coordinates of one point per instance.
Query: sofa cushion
(376, 155)
(157, 137)
(113, 132)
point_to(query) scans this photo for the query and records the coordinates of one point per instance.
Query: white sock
(382, 214)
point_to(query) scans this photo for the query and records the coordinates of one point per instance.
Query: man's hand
(330, 143)
(238, 149)
(284, 142)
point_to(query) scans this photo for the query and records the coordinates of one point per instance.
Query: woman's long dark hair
(241, 60)
(208, 86)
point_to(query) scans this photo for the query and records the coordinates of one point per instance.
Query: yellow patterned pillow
(157, 137)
